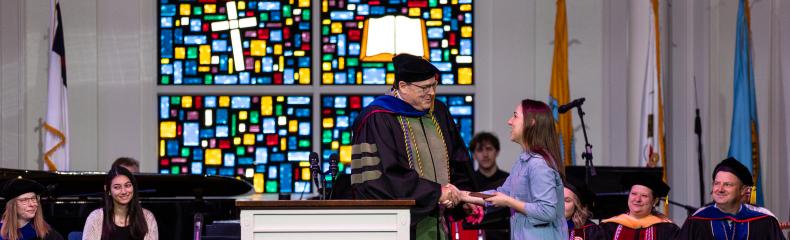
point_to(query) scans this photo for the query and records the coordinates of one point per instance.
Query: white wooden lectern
(324, 219)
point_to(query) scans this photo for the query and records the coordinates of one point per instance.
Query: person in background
(121, 217)
(534, 189)
(642, 221)
(578, 199)
(23, 218)
(485, 150)
(729, 217)
(130, 164)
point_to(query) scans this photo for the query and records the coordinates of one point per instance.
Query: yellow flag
(559, 91)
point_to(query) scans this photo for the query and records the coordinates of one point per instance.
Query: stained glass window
(339, 111)
(263, 139)
(266, 138)
(446, 35)
(234, 42)
(462, 109)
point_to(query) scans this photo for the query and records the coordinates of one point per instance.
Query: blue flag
(744, 136)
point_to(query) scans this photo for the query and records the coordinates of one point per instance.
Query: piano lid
(90, 184)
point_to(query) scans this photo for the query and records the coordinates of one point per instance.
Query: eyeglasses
(27, 201)
(427, 88)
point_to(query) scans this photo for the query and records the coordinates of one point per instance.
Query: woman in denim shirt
(534, 189)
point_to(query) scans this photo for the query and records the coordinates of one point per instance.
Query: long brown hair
(580, 213)
(138, 227)
(10, 229)
(540, 136)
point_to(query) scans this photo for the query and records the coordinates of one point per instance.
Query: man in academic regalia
(729, 217)
(406, 146)
(641, 221)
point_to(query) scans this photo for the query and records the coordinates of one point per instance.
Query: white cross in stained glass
(234, 24)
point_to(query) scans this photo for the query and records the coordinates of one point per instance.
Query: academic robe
(651, 227)
(590, 231)
(29, 233)
(401, 153)
(711, 223)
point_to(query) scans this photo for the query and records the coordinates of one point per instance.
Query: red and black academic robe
(590, 231)
(711, 223)
(651, 227)
(386, 165)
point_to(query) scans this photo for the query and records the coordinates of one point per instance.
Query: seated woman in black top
(121, 217)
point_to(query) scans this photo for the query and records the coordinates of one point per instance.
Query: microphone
(333, 168)
(198, 228)
(575, 103)
(315, 170)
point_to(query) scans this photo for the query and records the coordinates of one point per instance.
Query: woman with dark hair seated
(23, 218)
(121, 217)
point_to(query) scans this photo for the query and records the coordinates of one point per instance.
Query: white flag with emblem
(651, 132)
(56, 155)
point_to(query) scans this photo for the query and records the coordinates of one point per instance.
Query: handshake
(452, 196)
(472, 201)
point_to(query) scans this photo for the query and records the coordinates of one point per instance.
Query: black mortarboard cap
(18, 186)
(735, 167)
(410, 68)
(659, 188)
(582, 192)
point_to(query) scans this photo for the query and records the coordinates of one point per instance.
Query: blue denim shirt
(532, 181)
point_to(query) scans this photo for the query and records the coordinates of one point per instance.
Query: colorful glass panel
(339, 111)
(448, 26)
(234, 42)
(265, 140)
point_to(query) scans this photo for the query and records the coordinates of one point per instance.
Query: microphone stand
(198, 227)
(333, 171)
(322, 181)
(689, 209)
(587, 154)
(318, 176)
(698, 132)
(197, 219)
(329, 184)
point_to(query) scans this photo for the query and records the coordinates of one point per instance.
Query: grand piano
(177, 201)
